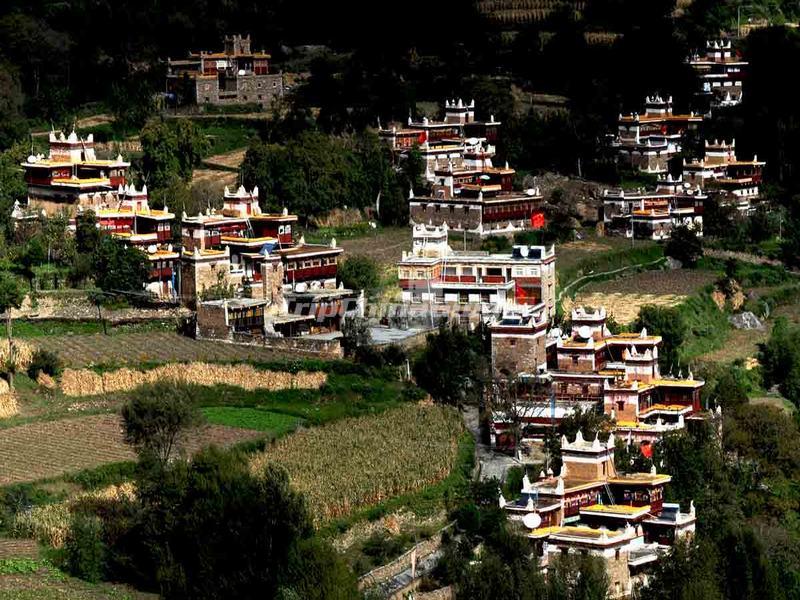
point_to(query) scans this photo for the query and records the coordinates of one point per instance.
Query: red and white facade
(70, 176)
(443, 282)
(721, 173)
(652, 214)
(721, 71)
(648, 141)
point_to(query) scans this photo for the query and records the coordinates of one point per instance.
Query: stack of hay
(8, 401)
(84, 382)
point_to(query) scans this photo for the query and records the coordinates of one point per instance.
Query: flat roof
(623, 511)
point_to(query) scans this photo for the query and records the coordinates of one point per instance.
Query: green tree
(360, 272)
(452, 367)
(85, 549)
(132, 100)
(213, 528)
(157, 420)
(170, 149)
(688, 572)
(12, 184)
(355, 334)
(780, 358)
(12, 119)
(32, 255)
(576, 577)
(87, 233)
(119, 269)
(671, 326)
(684, 246)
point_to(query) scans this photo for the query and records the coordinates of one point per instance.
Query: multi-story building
(459, 138)
(591, 508)
(227, 248)
(652, 214)
(735, 182)
(70, 176)
(474, 285)
(649, 141)
(467, 191)
(237, 75)
(720, 72)
(589, 368)
(127, 216)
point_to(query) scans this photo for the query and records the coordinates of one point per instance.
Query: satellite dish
(152, 249)
(301, 287)
(473, 141)
(532, 520)
(585, 332)
(485, 177)
(530, 192)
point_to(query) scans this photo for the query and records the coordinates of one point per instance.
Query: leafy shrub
(85, 548)
(44, 361)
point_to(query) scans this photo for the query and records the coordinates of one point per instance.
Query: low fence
(298, 345)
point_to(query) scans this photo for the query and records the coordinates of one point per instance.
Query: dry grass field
(386, 247)
(158, 346)
(741, 344)
(49, 449)
(624, 297)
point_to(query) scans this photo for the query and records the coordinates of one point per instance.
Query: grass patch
(19, 566)
(34, 329)
(278, 424)
(341, 397)
(226, 135)
(707, 325)
(103, 476)
(323, 235)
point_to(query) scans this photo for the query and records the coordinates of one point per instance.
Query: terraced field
(624, 297)
(161, 346)
(50, 449)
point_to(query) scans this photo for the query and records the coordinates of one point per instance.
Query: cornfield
(85, 382)
(362, 461)
(49, 524)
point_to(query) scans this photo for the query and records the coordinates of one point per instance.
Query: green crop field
(257, 419)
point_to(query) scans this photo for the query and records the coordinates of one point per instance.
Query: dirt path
(743, 257)
(84, 123)
(492, 464)
(229, 160)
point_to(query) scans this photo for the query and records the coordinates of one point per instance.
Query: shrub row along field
(49, 524)
(85, 382)
(363, 461)
(154, 346)
(50, 449)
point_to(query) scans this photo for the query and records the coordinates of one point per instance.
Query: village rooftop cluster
(249, 277)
